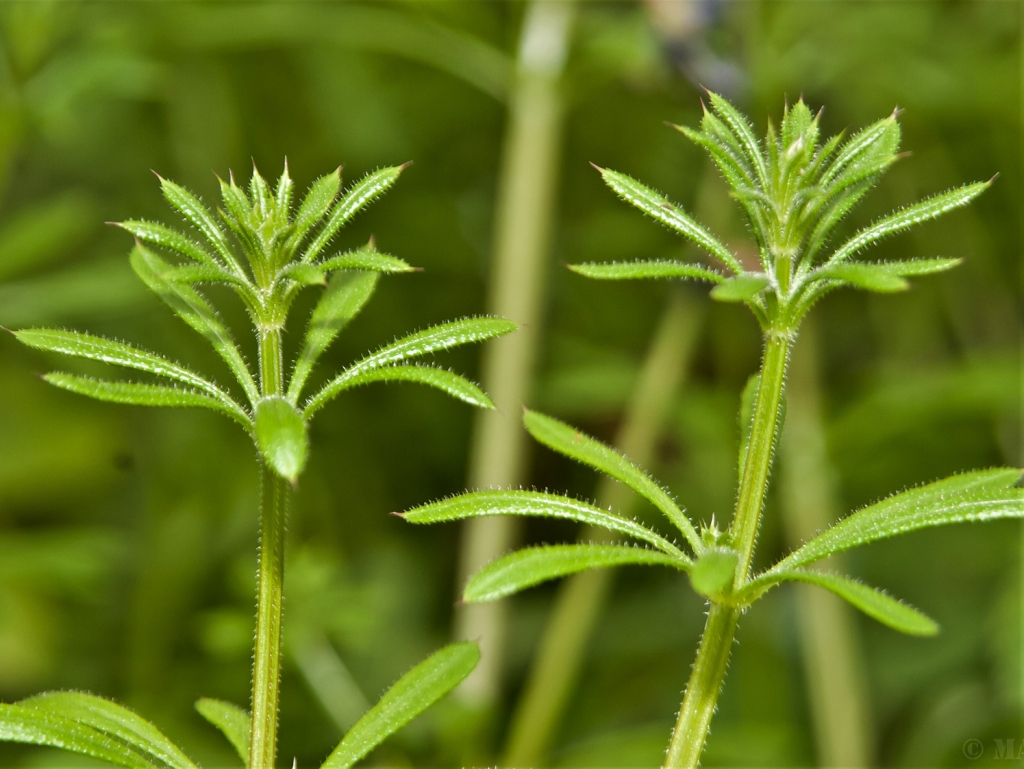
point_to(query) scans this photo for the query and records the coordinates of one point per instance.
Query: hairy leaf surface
(447, 381)
(232, 721)
(655, 268)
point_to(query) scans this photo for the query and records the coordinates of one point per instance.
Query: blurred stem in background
(829, 642)
(525, 207)
(559, 658)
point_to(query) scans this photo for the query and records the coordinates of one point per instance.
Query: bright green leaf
(872, 277)
(232, 721)
(714, 571)
(662, 268)
(912, 267)
(365, 258)
(316, 203)
(532, 566)
(744, 132)
(739, 288)
(414, 692)
(281, 435)
(196, 214)
(306, 274)
(432, 376)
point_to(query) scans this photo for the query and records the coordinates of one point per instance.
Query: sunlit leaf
(316, 203)
(534, 503)
(365, 258)
(281, 435)
(424, 342)
(532, 566)
(739, 288)
(912, 267)
(744, 132)
(646, 269)
(573, 443)
(414, 692)
(447, 381)
(982, 495)
(199, 217)
(657, 206)
(165, 237)
(232, 721)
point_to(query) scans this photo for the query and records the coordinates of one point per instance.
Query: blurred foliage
(117, 577)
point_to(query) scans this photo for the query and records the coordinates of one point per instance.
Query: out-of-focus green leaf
(573, 443)
(424, 342)
(713, 571)
(911, 267)
(869, 600)
(739, 288)
(534, 565)
(655, 268)
(746, 417)
(413, 693)
(981, 495)
(344, 298)
(281, 435)
(360, 195)
(43, 232)
(447, 381)
(873, 277)
(659, 207)
(306, 274)
(232, 721)
(534, 503)
(137, 394)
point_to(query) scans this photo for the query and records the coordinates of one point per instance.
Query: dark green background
(127, 536)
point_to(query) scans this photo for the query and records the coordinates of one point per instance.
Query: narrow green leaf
(283, 193)
(872, 277)
(281, 435)
(714, 571)
(534, 565)
(740, 288)
(424, 342)
(862, 144)
(165, 237)
(743, 131)
(196, 214)
(306, 274)
(365, 258)
(873, 602)
(796, 123)
(447, 381)
(905, 218)
(733, 169)
(575, 444)
(913, 267)
(35, 727)
(194, 310)
(361, 194)
(982, 495)
(232, 721)
(113, 720)
(316, 204)
(534, 503)
(262, 197)
(657, 206)
(414, 692)
(654, 268)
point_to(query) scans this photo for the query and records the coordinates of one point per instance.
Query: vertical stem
(716, 644)
(524, 212)
(266, 671)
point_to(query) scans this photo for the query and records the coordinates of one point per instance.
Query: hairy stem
(716, 644)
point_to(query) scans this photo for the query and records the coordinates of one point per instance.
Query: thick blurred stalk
(831, 651)
(526, 196)
(557, 664)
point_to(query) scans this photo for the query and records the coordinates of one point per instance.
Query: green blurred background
(127, 536)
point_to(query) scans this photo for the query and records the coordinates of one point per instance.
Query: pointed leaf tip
(281, 435)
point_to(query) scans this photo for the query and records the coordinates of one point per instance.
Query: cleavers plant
(267, 251)
(794, 192)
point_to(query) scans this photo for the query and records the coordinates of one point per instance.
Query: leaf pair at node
(98, 728)
(794, 191)
(711, 562)
(267, 252)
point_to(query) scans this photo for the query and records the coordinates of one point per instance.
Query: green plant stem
(524, 211)
(708, 672)
(556, 666)
(266, 672)
(829, 642)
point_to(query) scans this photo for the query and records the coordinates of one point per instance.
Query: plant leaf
(306, 274)
(199, 217)
(345, 296)
(873, 277)
(912, 267)
(744, 132)
(414, 692)
(165, 237)
(429, 340)
(905, 218)
(657, 206)
(145, 395)
(654, 268)
(747, 400)
(361, 194)
(533, 565)
(575, 444)
(739, 288)
(501, 502)
(714, 571)
(977, 496)
(365, 258)
(316, 203)
(281, 435)
(232, 721)
(113, 720)
(195, 311)
(873, 602)
(447, 381)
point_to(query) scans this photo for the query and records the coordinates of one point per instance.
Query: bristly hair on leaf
(794, 190)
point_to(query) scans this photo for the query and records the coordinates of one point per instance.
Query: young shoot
(267, 251)
(794, 190)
